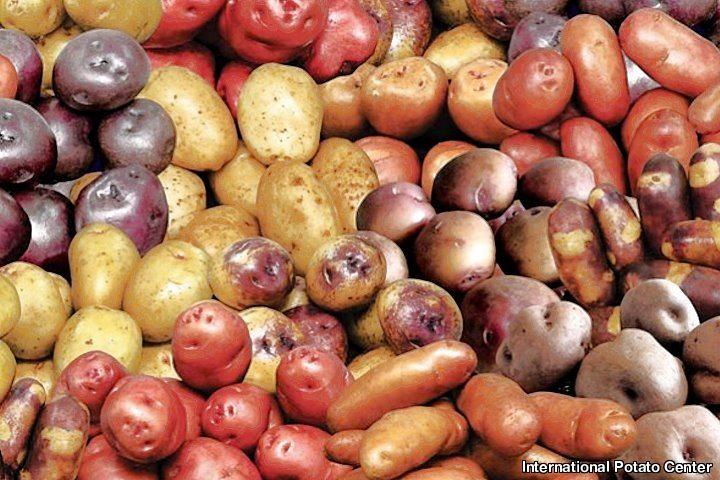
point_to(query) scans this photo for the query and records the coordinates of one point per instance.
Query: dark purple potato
(72, 131)
(639, 82)
(141, 133)
(14, 229)
(51, 220)
(130, 198)
(396, 266)
(482, 180)
(689, 12)
(498, 18)
(537, 30)
(397, 211)
(611, 10)
(321, 329)
(28, 152)
(25, 57)
(100, 70)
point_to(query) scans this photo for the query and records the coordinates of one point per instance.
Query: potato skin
(215, 229)
(186, 196)
(49, 47)
(59, 440)
(365, 362)
(18, 413)
(137, 18)
(671, 53)
(578, 251)
(701, 359)
(526, 149)
(411, 29)
(157, 361)
(647, 104)
(553, 179)
(704, 178)
(693, 241)
(237, 181)
(101, 260)
(442, 473)
(461, 45)
(394, 160)
(204, 457)
(523, 244)
(32, 18)
(344, 447)
(439, 156)
(43, 371)
(100, 460)
(9, 299)
(342, 115)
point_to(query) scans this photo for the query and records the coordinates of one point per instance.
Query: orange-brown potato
(344, 447)
(215, 229)
(343, 116)
(411, 29)
(704, 111)
(379, 11)
(394, 160)
(526, 149)
(704, 178)
(648, 103)
(18, 413)
(439, 156)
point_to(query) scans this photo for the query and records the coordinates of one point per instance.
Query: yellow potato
(451, 12)
(454, 48)
(170, 278)
(81, 183)
(348, 174)
(42, 311)
(137, 18)
(297, 297)
(99, 328)
(297, 211)
(65, 292)
(186, 196)
(101, 259)
(206, 134)
(367, 361)
(50, 46)
(280, 114)
(214, 229)
(9, 306)
(157, 361)
(7, 369)
(32, 17)
(366, 331)
(237, 182)
(43, 371)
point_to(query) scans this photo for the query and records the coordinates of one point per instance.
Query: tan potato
(367, 361)
(366, 331)
(451, 12)
(43, 371)
(170, 278)
(454, 48)
(157, 361)
(206, 134)
(10, 301)
(101, 259)
(50, 46)
(343, 116)
(42, 311)
(297, 212)
(65, 292)
(7, 369)
(32, 17)
(348, 174)
(81, 183)
(137, 18)
(216, 228)
(236, 183)
(280, 114)
(186, 196)
(99, 328)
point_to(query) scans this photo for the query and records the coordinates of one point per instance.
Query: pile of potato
(359, 239)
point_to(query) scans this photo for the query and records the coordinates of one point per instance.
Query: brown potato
(554, 179)
(411, 29)
(343, 115)
(186, 196)
(701, 359)
(451, 12)
(365, 362)
(461, 45)
(703, 112)
(704, 178)
(237, 181)
(215, 229)
(394, 160)
(437, 157)
(344, 447)
(18, 413)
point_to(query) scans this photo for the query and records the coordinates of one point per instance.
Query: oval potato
(454, 48)
(186, 196)
(216, 228)
(34, 18)
(7, 369)
(65, 292)
(236, 183)
(137, 18)
(157, 361)
(10, 301)
(43, 371)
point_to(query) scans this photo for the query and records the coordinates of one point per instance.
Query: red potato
(18, 413)
(209, 459)
(710, 138)
(8, 78)
(296, 451)
(704, 113)
(704, 179)
(463, 464)
(526, 149)
(671, 53)
(230, 83)
(193, 56)
(437, 157)
(344, 447)
(442, 473)
(321, 330)
(308, 381)
(591, 46)
(554, 179)
(193, 403)
(211, 346)
(181, 20)
(394, 160)
(534, 90)
(239, 414)
(552, 129)
(586, 140)
(647, 104)
(143, 419)
(101, 462)
(500, 413)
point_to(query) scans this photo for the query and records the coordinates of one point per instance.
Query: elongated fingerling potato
(704, 178)
(500, 413)
(693, 241)
(344, 447)
(18, 413)
(413, 378)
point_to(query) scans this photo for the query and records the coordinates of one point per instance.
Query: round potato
(50, 46)
(451, 12)
(206, 134)
(157, 361)
(42, 311)
(215, 229)
(348, 174)
(297, 212)
(99, 328)
(10, 301)
(43, 371)
(34, 18)
(101, 260)
(170, 278)
(137, 18)
(367, 361)
(7, 369)
(236, 183)
(454, 48)
(186, 196)
(280, 114)
(65, 292)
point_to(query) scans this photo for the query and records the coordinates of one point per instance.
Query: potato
(7, 369)
(186, 196)
(42, 311)
(99, 328)
(10, 301)
(101, 260)
(206, 134)
(43, 371)
(137, 18)
(280, 114)
(50, 46)
(297, 212)
(454, 48)
(18, 413)
(236, 183)
(81, 183)
(348, 174)
(367, 361)
(451, 12)
(170, 278)
(702, 359)
(297, 296)
(157, 361)
(343, 116)
(411, 29)
(555, 178)
(33, 18)
(214, 229)
(65, 292)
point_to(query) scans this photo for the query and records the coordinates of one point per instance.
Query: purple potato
(28, 151)
(639, 82)
(72, 131)
(611, 10)
(130, 198)
(51, 218)
(395, 262)
(537, 30)
(689, 12)
(14, 229)
(25, 57)
(100, 70)
(141, 133)
(321, 329)
(498, 18)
